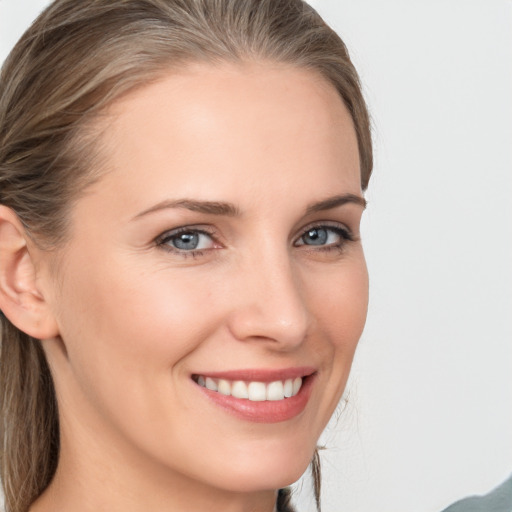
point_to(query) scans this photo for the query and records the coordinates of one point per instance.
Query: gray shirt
(498, 500)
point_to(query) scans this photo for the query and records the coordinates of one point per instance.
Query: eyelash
(163, 240)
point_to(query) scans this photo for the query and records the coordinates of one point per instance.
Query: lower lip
(268, 411)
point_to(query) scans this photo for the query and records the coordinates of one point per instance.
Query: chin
(274, 470)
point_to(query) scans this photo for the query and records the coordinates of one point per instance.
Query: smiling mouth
(259, 395)
(252, 390)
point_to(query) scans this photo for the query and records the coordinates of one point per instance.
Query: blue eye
(187, 240)
(324, 236)
(316, 236)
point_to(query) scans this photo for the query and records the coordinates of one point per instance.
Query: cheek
(127, 340)
(146, 308)
(131, 327)
(339, 303)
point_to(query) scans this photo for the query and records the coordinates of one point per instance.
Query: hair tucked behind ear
(76, 60)
(29, 427)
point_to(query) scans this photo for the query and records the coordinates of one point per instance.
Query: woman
(182, 280)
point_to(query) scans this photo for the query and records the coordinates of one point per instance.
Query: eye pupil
(316, 236)
(186, 241)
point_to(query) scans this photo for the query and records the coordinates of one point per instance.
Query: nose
(270, 304)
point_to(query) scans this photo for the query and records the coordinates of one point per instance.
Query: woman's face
(221, 246)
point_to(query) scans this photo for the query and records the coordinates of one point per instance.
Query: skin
(134, 319)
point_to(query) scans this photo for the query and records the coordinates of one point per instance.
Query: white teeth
(239, 389)
(224, 387)
(257, 391)
(288, 388)
(210, 384)
(254, 391)
(297, 383)
(275, 390)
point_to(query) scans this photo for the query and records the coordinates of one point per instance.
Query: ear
(21, 301)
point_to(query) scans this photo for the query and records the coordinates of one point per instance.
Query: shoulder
(498, 500)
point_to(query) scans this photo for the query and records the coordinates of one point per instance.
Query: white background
(429, 413)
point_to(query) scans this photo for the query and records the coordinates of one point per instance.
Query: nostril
(270, 323)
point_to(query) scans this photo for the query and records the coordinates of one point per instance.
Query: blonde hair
(75, 60)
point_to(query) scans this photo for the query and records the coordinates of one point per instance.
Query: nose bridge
(271, 302)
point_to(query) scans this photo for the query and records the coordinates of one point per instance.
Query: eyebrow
(208, 207)
(335, 201)
(230, 210)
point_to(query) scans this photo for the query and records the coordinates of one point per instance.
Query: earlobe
(21, 301)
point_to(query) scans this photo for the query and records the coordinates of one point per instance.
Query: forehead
(209, 126)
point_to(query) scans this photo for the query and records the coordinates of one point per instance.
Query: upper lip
(261, 374)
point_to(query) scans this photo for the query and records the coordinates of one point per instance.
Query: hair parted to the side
(73, 62)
